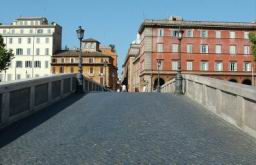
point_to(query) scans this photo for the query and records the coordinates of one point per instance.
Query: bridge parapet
(235, 103)
(21, 98)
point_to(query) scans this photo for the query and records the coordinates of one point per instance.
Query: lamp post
(105, 77)
(80, 36)
(158, 88)
(178, 82)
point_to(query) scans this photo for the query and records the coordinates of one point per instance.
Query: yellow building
(99, 65)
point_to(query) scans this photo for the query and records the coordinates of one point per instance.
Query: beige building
(129, 68)
(33, 40)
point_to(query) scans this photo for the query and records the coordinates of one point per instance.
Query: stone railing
(19, 99)
(235, 103)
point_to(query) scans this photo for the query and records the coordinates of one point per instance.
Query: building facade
(216, 49)
(33, 41)
(99, 62)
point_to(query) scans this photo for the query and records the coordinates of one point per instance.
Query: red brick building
(215, 49)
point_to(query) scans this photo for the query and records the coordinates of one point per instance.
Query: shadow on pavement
(17, 129)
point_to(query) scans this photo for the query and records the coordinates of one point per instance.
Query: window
(62, 60)
(189, 65)
(4, 31)
(19, 51)
(71, 69)
(189, 48)
(27, 76)
(49, 31)
(218, 34)
(204, 33)
(38, 40)
(189, 33)
(101, 69)
(46, 64)
(29, 40)
(61, 69)
(18, 64)
(160, 32)
(37, 64)
(37, 51)
(232, 49)
(18, 76)
(232, 66)
(10, 40)
(203, 48)
(232, 34)
(91, 70)
(19, 40)
(160, 47)
(46, 51)
(247, 66)
(218, 66)
(13, 31)
(175, 47)
(72, 60)
(246, 35)
(204, 66)
(91, 60)
(30, 31)
(101, 81)
(28, 64)
(47, 40)
(28, 51)
(246, 50)
(218, 49)
(39, 31)
(21, 31)
(174, 33)
(174, 65)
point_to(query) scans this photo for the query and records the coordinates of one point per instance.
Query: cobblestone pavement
(125, 128)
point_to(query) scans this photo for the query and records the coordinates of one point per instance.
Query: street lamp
(80, 36)
(178, 82)
(105, 77)
(158, 88)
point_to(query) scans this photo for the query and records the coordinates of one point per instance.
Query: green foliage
(5, 56)
(252, 38)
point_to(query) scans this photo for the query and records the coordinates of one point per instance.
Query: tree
(5, 56)
(252, 38)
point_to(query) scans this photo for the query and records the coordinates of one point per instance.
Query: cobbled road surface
(125, 128)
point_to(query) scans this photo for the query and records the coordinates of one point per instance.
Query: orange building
(99, 62)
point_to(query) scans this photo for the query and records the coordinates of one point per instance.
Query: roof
(197, 24)
(90, 40)
(75, 53)
(31, 18)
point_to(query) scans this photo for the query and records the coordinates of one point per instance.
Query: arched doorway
(247, 82)
(162, 82)
(233, 80)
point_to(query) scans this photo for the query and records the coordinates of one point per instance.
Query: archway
(162, 82)
(247, 82)
(233, 80)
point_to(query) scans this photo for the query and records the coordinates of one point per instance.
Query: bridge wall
(19, 99)
(235, 103)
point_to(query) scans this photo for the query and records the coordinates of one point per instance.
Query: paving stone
(125, 128)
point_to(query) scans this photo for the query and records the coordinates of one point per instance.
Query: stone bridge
(126, 128)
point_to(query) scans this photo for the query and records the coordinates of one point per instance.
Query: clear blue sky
(117, 21)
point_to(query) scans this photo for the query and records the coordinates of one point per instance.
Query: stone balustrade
(235, 103)
(19, 99)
